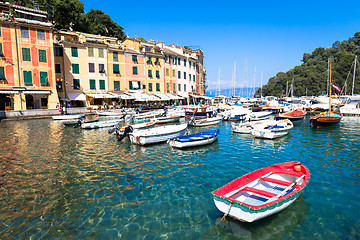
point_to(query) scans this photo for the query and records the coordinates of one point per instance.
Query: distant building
(27, 74)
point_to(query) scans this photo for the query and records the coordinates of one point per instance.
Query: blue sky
(271, 35)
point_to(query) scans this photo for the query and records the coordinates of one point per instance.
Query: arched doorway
(29, 102)
(5, 102)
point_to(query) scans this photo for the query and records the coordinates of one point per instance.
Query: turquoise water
(63, 183)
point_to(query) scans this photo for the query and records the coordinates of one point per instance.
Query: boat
(263, 192)
(76, 121)
(273, 129)
(147, 115)
(139, 126)
(295, 115)
(330, 117)
(194, 140)
(101, 124)
(111, 113)
(167, 119)
(205, 121)
(352, 108)
(201, 112)
(68, 116)
(257, 116)
(157, 134)
(246, 127)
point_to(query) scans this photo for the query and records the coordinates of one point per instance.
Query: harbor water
(63, 183)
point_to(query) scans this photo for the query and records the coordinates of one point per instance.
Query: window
(75, 68)
(167, 72)
(149, 61)
(184, 87)
(184, 62)
(44, 81)
(189, 64)
(134, 58)
(189, 77)
(134, 85)
(2, 73)
(91, 67)
(1, 49)
(150, 73)
(175, 60)
(115, 56)
(184, 75)
(24, 32)
(26, 54)
(90, 51)
(157, 62)
(116, 85)
(174, 87)
(116, 69)
(179, 74)
(179, 61)
(40, 34)
(42, 55)
(150, 87)
(101, 68)
(57, 68)
(192, 88)
(0, 31)
(173, 72)
(76, 84)
(194, 77)
(74, 52)
(135, 71)
(101, 52)
(92, 83)
(59, 86)
(167, 87)
(58, 52)
(102, 84)
(179, 87)
(157, 74)
(158, 87)
(27, 77)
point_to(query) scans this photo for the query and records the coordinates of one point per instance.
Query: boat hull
(198, 140)
(326, 119)
(205, 122)
(268, 134)
(67, 117)
(161, 120)
(101, 124)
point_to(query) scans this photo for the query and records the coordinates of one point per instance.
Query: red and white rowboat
(262, 193)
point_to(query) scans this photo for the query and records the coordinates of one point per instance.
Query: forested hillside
(68, 14)
(311, 75)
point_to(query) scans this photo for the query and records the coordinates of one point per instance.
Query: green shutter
(130, 85)
(157, 87)
(150, 73)
(194, 78)
(27, 77)
(92, 84)
(2, 73)
(135, 71)
(42, 55)
(76, 83)
(150, 87)
(26, 54)
(74, 52)
(101, 52)
(1, 48)
(102, 84)
(134, 58)
(116, 68)
(90, 51)
(44, 78)
(75, 68)
(115, 56)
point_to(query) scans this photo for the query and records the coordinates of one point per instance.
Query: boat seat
(280, 182)
(260, 192)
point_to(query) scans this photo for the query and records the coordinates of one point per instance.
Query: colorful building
(27, 59)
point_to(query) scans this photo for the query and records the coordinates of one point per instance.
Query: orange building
(27, 57)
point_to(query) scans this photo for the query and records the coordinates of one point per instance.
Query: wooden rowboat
(263, 192)
(327, 118)
(196, 139)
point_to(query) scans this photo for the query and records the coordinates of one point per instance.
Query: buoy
(297, 167)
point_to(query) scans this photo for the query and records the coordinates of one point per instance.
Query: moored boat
(246, 127)
(111, 113)
(75, 121)
(257, 116)
(205, 121)
(263, 192)
(101, 124)
(295, 115)
(68, 116)
(139, 126)
(167, 119)
(195, 139)
(273, 129)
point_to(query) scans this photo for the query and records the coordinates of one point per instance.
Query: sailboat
(330, 117)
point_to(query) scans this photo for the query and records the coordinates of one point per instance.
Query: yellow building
(116, 66)
(27, 57)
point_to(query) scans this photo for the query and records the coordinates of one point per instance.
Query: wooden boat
(273, 129)
(263, 192)
(101, 124)
(196, 139)
(167, 119)
(257, 116)
(295, 115)
(157, 134)
(205, 121)
(330, 117)
(68, 116)
(74, 122)
(246, 128)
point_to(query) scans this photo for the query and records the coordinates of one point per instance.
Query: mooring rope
(219, 221)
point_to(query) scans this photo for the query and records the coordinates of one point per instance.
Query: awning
(76, 96)
(122, 96)
(8, 92)
(142, 97)
(173, 97)
(183, 95)
(37, 92)
(100, 95)
(163, 97)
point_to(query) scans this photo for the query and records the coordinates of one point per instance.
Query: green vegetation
(67, 14)
(311, 76)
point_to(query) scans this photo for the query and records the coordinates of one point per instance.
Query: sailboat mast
(234, 78)
(219, 90)
(246, 79)
(261, 84)
(329, 87)
(292, 88)
(352, 91)
(254, 82)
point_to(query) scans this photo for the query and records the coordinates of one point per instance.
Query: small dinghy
(262, 193)
(247, 127)
(257, 116)
(68, 117)
(272, 129)
(101, 124)
(295, 115)
(196, 139)
(167, 119)
(205, 121)
(120, 130)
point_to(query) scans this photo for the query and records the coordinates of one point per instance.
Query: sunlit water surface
(59, 182)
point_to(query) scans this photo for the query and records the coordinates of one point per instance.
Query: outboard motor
(127, 130)
(78, 124)
(164, 113)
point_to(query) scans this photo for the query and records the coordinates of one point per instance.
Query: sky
(269, 36)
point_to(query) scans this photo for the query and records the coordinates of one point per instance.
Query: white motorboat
(167, 119)
(205, 121)
(272, 130)
(139, 126)
(101, 124)
(257, 116)
(68, 116)
(157, 134)
(246, 128)
(196, 139)
(147, 115)
(110, 113)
